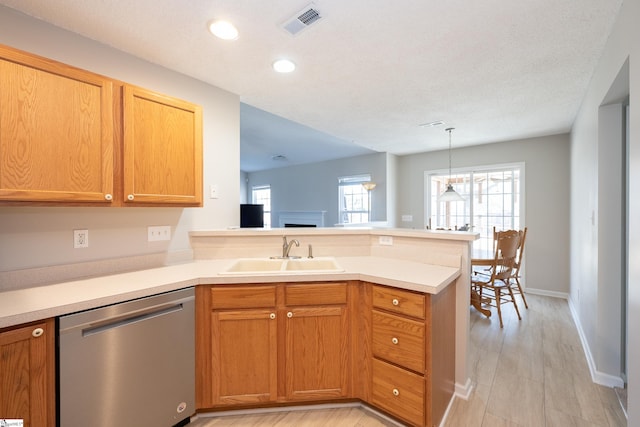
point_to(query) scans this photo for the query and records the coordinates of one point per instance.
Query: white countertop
(341, 231)
(27, 305)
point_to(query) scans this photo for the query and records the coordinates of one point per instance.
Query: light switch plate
(213, 191)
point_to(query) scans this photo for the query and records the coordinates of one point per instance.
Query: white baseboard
(446, 412)
(463, 391)
(546, 293)
(596, 376)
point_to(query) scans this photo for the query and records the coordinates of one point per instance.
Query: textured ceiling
(369, 71)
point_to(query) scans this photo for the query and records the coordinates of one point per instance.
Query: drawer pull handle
(395, 302)
(394, 340)
(130, 197)
(289, 315)
(396, 392)
(272, 316)
(108, 197)
(37, 332)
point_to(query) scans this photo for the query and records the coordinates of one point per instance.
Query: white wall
(546, 206)
(38, 237)
(314, 186)
(392, 190)
(586, 165)
(245, 192)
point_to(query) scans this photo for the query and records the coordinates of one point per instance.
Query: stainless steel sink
(261, 266)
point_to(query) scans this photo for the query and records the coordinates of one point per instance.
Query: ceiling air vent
(301, 20)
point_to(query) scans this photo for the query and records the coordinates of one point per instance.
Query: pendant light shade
(450, 194)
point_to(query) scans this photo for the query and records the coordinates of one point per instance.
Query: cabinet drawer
(399, 392)
(399, 340)
(399, 301)
(316, 294)
(232, 297)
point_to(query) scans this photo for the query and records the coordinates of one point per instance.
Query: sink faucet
(286, 246)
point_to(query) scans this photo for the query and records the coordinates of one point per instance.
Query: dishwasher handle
(108, 325)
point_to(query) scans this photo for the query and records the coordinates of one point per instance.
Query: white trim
(446, 412)
(426, 189)
(547, 293)
(426, 192)
(596, 376)
(463, 391)
(349, 181)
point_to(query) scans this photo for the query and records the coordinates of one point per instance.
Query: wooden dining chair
(494, 285)
(515, 284)
(484, 267)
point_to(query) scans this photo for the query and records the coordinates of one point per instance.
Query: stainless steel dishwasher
(129, 364)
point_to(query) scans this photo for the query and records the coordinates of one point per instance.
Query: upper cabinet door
(56, 131)
(162, 149)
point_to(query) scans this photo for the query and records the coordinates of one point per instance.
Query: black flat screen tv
(251, 216)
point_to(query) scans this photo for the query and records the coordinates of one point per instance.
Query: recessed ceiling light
(224, 30)
(284, 66)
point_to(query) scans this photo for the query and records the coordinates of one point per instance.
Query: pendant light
(450, 194)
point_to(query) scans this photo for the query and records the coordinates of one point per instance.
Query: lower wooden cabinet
(27, 374)
(317, 341)
(398, 391)
(413, 353)
(271, 343)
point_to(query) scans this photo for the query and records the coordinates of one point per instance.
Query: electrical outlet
(80, 239)
(407, 218)
(158, 233)
(385, 240)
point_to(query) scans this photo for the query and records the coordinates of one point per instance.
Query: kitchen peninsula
(379, 267)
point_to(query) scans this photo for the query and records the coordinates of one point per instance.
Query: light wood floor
(337, 417)
(531, 373)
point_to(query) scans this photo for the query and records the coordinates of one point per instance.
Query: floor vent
(301, 20)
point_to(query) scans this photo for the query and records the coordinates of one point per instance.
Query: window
(354, 204)
(261, 195)
(494, 197)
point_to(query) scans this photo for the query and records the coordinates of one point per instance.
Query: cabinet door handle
(395, 301)
(108, 197)
(37, 332)
(130, 197)
(394, 340)
(272, 316)
(289, 315)
(396, 392)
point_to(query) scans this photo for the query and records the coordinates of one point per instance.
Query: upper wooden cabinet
(71, 136)
(56, 131)
(162, 149)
